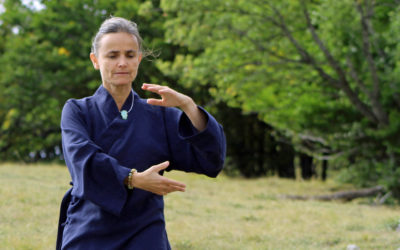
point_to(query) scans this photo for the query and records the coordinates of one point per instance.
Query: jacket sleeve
(193, 151)
(96, 176)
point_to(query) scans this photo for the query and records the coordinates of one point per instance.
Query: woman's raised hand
(169, 97)
(172, 98)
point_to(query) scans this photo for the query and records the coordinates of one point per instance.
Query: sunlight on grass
(29, 205)
(222, 213)
(228, 213)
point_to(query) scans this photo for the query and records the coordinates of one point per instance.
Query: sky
(32, 4)
(1, 7)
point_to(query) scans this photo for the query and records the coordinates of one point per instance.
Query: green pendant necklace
(124, 113)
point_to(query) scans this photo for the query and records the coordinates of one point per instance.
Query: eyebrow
(117, 51)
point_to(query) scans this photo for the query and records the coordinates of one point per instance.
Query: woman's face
(118, 59)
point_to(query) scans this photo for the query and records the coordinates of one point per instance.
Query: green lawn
(220, 213)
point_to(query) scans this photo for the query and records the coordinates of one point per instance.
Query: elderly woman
(117, 145)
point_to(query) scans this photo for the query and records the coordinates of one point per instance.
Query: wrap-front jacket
(100, 148)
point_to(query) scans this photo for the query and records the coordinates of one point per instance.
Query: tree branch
(334, 64)
(375, 94)
(356, 78)
(260, 47)
(306, 57)
(342, 195)
(342, 83)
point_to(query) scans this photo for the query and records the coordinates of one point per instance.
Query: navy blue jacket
(100, 148)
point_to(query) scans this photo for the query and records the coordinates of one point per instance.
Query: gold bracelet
(130, 176)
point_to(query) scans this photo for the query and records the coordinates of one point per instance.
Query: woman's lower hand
(150, 180)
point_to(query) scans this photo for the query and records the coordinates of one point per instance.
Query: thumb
(153, 101)
(161, 166)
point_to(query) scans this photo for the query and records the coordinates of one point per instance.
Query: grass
(222, 213)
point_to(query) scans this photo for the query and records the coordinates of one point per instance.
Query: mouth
(121, 73)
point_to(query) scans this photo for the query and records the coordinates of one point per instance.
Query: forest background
(307, 85)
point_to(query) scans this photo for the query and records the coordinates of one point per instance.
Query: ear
(140, 57)
(94, 60)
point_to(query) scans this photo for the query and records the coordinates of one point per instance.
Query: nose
(122, 62)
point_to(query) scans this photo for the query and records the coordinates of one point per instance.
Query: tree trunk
(324, 169)
(306, 165)
(284, 160)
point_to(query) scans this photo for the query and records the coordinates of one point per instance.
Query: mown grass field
(222, 213)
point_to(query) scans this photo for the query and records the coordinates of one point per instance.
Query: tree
(321, 72)
(50, 47)
(45, 61)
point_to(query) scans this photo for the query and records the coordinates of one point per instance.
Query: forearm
(195, 115)
(191, 151)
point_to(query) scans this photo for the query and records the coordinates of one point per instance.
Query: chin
(122, 83)
(117, 84)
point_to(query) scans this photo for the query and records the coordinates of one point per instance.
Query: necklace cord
(133, 97)
(124, 113)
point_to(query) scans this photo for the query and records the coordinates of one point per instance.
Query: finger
(171, 182)
(151, 87)
(175, 186)
(174, 189)
(153, 101)
(169, 189)
(156, 90)
(161, 166)
(146, 85)
(166, 90)
(170, 94)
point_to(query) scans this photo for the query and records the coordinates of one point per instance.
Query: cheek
(136, 63)
(105, 67)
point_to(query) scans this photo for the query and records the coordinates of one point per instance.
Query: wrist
(136, 180)
(189, 106)
(131, 178)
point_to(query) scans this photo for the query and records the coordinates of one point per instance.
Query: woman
(116, 146)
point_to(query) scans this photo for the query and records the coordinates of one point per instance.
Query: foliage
(45, 58)
(50, 51)
(324, 73)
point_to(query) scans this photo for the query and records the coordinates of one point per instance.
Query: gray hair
(115, 25)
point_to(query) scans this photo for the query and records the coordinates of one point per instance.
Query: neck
(119, 94)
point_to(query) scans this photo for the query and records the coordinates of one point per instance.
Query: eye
(112, 55)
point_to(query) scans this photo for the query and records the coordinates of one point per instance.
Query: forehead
(120, 41)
